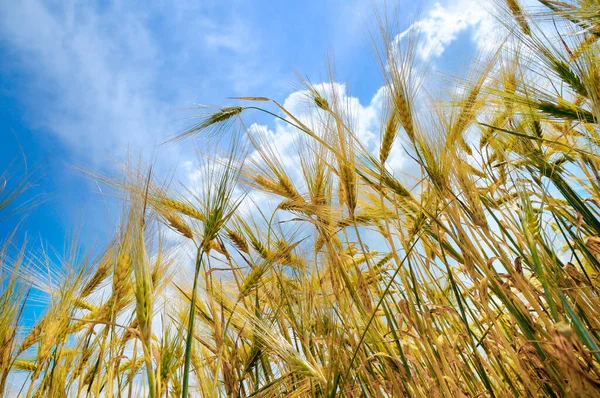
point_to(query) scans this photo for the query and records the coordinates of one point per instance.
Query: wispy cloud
(107, 77)
(91, 74)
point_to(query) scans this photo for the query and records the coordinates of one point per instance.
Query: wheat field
(477, 275)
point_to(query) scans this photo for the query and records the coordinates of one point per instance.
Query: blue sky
(84, 83)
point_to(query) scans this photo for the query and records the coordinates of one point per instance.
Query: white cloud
(443, 24)
(364, 120)
(283, 138)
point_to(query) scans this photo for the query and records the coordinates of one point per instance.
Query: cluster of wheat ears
(486, 281)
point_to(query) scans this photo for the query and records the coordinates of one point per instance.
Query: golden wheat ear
(212, 123)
